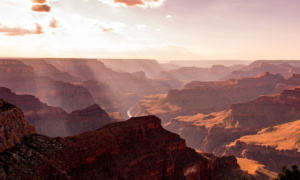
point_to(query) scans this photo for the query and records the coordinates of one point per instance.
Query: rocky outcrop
(150, 67)
(88, 119)
(42, 68)
(68, 96)
(292, 82)
(273, 146)
(53, 121)
(256, 69)
(13, 126)
(16, 75)
(135, 149)
(211, 131)
(22, 79)
(92, 69)
(206, 97)
(184, 75)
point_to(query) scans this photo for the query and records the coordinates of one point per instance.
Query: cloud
(105, 29)
(132, 3)
(39, 1)
(54, 23)
(41, 8)
(19, 31)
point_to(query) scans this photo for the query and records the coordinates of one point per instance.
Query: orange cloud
(54, 23)
(19, 31)
(39, 1)
(41, 8)
(105, 29)
(130, 2)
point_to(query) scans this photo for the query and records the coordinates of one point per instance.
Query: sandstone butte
(138, 148)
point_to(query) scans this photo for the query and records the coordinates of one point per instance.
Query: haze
(160, 29)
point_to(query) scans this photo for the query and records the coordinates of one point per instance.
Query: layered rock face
(185, 75)
(22, 79)
(256, 69)
(13, 126)
(208, 132)
(206, 97)
(136, 149)
(273, 146)
(42, 68)
(53, 121)
(68, 96)
(150, 67)
(16, 75)
(92, 69)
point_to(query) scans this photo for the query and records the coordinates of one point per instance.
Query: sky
(151, 29)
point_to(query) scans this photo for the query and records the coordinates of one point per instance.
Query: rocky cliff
(53, 121)
(207, 132)
(92, 69)
(13, 126)
(16, 75)
(273, 146)
(260, 67)
(135, 149)
(206, 97)
(23, 79)
(42, 68)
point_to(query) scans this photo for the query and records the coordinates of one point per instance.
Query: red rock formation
(274, 146)
(206, 97)
(136, 149)
(151, 68)
(92, 69)
(184, 75)
(211, 131)
(13, 126)
(42, 68)
(16, 75)
(260, 67)
(22, 79)
(53, 121)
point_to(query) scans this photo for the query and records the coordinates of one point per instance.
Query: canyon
(138, 148)
(54, 121)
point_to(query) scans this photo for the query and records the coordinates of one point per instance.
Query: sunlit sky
(151, 29)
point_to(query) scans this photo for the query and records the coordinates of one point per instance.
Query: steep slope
(206, 97)
(210, 132)
(22, 79)
(138, 148)
(273, 146)
(187, 74)
(13, 126)
(284, 69)
(16, 75)
(53, 121)
(92, 69)
(150, 67)
(42, 68)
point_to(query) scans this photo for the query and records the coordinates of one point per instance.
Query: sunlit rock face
(206, 97)
(53, 121)
(209, 132)
(92, 69)
(273, 146)
(284, 68)
(135, 149)
(23, 79)
(13, 126)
